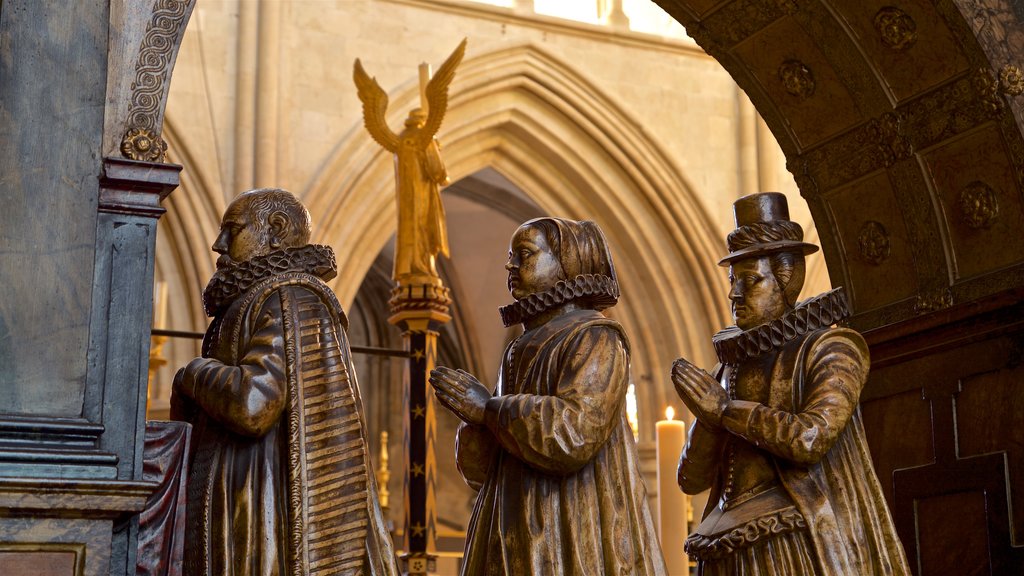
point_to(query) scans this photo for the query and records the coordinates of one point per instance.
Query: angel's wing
(375, 108)
(437, 91)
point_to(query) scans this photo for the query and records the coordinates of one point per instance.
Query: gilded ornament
(142, 144)
(1011, 80)
(897, 29)
(979, 207)
(797, 79)
(987, 88)
(873, 240)
(933, 301)
(419, 169)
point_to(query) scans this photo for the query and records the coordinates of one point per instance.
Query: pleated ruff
(790, 554)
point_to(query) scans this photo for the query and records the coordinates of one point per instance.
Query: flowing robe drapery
(557, 467)
(281, 481)
(811, 430)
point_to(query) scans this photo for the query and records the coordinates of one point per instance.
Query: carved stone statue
(419, 169)
(778, 436)
(280, 476)
(551, 451)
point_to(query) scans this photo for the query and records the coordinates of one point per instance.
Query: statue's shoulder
(580, 321)
(297, 286)
(835, 340)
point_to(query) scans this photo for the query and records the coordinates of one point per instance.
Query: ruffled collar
(599, 290)
(733, 345)
(230, 282)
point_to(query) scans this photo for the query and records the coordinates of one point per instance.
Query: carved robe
(793, 489)
(556, 464)
(281, 480)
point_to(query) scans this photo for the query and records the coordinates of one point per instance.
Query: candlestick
(671, 436)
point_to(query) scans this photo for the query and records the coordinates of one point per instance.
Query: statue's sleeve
(474, 451)
(560, 434)
(248, 398)
(836, 368)
(699, 461)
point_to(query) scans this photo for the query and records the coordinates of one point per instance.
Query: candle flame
(670, 413)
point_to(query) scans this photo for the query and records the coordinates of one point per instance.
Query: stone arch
(576, 153)
(902, 122)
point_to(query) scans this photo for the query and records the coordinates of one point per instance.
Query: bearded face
(243, 235)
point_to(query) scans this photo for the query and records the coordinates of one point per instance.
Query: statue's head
(416, 118)
(766, 260)
(547, 250)
(259, 222)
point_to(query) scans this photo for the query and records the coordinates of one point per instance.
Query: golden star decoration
(418, 354)
(418, 529)
(417, 469)
(419, 411)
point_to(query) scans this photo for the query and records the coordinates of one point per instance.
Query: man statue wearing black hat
(778, 436)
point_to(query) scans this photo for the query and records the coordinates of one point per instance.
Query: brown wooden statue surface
(778, 436)
(551, 451)
(280, 480)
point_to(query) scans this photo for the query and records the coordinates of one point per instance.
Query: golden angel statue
(419, 169)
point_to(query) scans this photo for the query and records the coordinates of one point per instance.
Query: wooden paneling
(827, 109)
(909, 445)
(949, 545)
(990, 419)
(876, 243)
(930, 49)
(979, 200)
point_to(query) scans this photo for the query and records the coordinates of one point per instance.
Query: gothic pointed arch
(576, 153)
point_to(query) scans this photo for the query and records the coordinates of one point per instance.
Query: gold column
(420, 311)
(420, 301)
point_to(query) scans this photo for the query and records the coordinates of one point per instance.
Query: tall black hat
(763, 227)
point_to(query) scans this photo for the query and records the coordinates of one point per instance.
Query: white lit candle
(671, 500)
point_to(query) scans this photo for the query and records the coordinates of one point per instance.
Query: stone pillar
(82, 90)
(420, 310)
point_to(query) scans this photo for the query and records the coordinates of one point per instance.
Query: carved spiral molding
(797, 78)
(897, 29)
(979, 207)
(142, 139)
(873, 240)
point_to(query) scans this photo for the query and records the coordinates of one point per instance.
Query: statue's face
(242, 237)
(756, 295)
(532, 267)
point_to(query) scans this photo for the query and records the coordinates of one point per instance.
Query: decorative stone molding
(157, 53)
(873, 241)
(1011, 80)
(933, 301)
(979, 206)
(144, 145)
(897, 29)
(986, 87)
(797, 78)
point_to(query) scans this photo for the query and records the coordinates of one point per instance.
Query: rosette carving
(143, 144)
(873, 240)
(897, 29)
(1011, 80)
(797, 79)
(979, 206)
